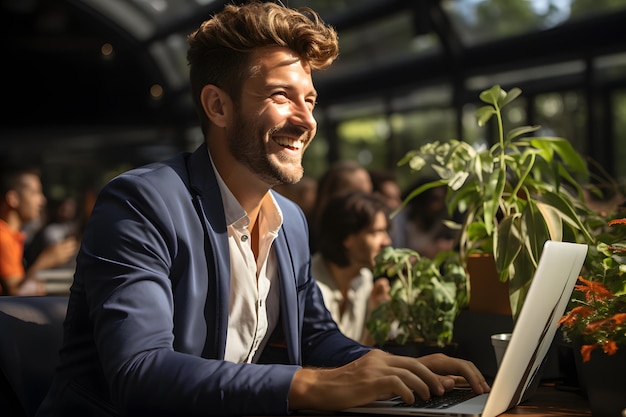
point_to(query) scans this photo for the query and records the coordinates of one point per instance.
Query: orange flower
(619, 318)
(597, 325)
(609, 347)
(593, 289)
(586, 350)
(599, 319)
(610, 323)
(575, 314)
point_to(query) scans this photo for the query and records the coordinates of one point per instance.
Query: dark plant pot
(568, 367)
(417, 349)
(603, 380)
(472, 332)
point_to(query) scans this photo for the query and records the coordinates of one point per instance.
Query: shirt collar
(235, 214)
(232, 209)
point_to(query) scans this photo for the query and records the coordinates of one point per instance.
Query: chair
(31, 332)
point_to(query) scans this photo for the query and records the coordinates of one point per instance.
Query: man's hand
(56, 254)
(379, 294)
(379, 375)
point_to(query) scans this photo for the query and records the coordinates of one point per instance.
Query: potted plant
(426, 298)
(596, 322)
(512, 196)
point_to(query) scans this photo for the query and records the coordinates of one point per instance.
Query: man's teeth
(289, 143)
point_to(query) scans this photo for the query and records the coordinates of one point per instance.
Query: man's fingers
(380, 376)
(395, 387)
(445, 365)
(417, 376)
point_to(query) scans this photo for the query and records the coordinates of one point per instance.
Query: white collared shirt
(352, 321)
(254, 290)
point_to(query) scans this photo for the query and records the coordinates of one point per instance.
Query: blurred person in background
(420, 225)
(303, 193)
(353, 229)
(385, 183)
(63, 223)
(341, 177)
(23, 201)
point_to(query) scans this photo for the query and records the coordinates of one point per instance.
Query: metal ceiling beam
(566, 42)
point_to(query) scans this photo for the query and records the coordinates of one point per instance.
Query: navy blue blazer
(146, 326)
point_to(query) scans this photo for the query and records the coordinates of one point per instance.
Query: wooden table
(548, 401)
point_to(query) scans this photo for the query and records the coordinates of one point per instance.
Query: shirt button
(244, 238)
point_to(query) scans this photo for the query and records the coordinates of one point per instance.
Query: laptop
(549, 293)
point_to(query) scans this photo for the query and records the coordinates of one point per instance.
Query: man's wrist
(300, 392)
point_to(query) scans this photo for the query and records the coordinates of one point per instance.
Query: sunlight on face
(274, 123)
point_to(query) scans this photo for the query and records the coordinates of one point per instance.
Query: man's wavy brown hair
(219, 50)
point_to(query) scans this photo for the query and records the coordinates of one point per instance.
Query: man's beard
(246, 146)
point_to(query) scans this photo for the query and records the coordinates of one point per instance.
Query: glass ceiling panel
(163, 12)
(325, 7)
(480, 21)
(387, 37)
(361, 47)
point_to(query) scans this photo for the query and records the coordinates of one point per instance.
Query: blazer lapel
(289, 302)
(207, 200)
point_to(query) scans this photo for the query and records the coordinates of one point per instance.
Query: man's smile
(289, 143)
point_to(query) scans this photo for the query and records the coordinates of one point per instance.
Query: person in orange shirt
(22, 200)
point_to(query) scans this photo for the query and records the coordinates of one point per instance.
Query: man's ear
(348, 241)
(216, 103)
(12, 199)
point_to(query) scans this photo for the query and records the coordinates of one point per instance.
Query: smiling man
(193, 293)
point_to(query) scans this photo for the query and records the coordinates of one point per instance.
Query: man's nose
(386, 240)
(302, 116)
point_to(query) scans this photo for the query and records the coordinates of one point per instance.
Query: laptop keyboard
(449, 399)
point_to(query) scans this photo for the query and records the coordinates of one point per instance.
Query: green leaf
(523, 165)
(564, 173)
(379, 322)
(520, 282)
(566, 210)
(492, 95)
(508, 245)
(536, 231)
(483, 115)
(519, 131)
(511, 95)
(493, 192)
(551, 219)
(564, 149)
(417, 162)
(457, 181)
